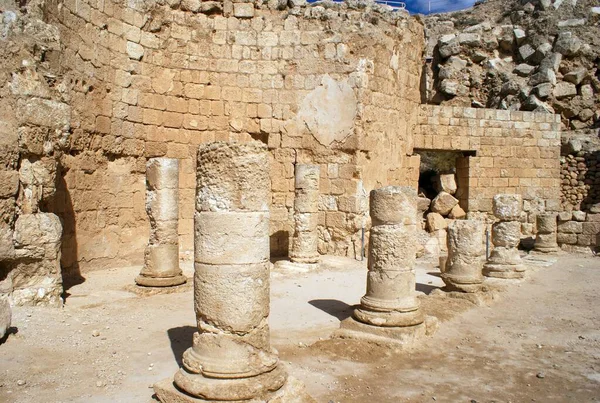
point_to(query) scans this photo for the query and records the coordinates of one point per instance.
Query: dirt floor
(538, 340)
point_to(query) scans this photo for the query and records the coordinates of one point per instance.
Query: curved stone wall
(334, 84)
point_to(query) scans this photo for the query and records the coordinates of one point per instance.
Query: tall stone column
(231, 358)
(505, 261)
(306, 215)
(465, 256)
(161, 258)
(545, 240)
(390, 307)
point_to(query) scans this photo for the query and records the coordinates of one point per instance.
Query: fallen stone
(576, 76)
(526, 51)
(469, 39)
(448, 45)
(585, 114)
(423, 203)
(457, 212)
(586, 91)
(567, 44)
(572, 22)
(435, 222)
(551, 61)
(523, 69)
(443, 203)
(449, 87)
(564, 90)
(543, 91)
(445, 183)
(510, 88)
(543, 76)
(532, 103)
(520, 35)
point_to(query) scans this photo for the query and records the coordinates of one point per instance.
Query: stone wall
(334, 85)
(578, 230)
(511, 152)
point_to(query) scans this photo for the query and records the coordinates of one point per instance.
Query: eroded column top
(507, 206)
(233, 177)
(394, 205)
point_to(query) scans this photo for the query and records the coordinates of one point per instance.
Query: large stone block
(435, 222)
(443, 203)
(445, 183)
(394, 205)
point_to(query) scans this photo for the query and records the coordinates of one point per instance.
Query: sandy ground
(539, 340)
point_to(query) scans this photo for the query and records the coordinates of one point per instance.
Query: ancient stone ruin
(161, 259)
(252, 138)
(505, 261)
(390, 308)
(463, 267)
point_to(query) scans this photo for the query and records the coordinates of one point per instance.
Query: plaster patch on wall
(329, 110)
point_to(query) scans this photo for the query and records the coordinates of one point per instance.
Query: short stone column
(161, 258)
(547, 227)
(504, 260)
(306, 215)
(231, 358)
(465, 256)
(390, 307)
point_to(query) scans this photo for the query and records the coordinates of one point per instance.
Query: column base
(546, 249)
(461, 284)
(146, 281)
(292, 391)
(289, 266)
(390, 318)
(404, 336)
(229, 389)
(504, 270)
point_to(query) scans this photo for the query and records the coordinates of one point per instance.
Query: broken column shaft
(465, 256)
(231, 357)
(391, 299)
(161, 258)
(546, 238)
(306, 215)
(505, 261)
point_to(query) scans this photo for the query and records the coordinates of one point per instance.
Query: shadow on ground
(336, 308)
(181, 339)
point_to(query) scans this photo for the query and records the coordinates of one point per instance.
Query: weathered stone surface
(570, 227)
(443, 203)
(243, 10)
(304, 243)
(507, 206)
(465, 256)
(576, 76)
(445, 183)
(564, 90)
(504, 260)
(161, 258)
(523, 69)
(526, 52)
(567, 44)
(448, 45)
(435, 222)
(457, 212)
(328, 111)
(545, 240)
(390, 300)
(231, 358)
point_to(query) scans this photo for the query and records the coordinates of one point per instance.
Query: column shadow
(335, 308)
(181, 339)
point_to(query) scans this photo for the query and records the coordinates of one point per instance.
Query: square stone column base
(403, 337)
(293, 391)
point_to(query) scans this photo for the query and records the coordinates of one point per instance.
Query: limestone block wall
(514, 152)
(578, 229)
(335, 85)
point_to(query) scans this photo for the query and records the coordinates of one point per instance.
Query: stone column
(545, 240)
(505, 261)
(306, 215)
(231, 357)
(390, 307)
(465, 256)
(161, 258)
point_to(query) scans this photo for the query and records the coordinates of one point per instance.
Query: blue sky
(437, 6)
